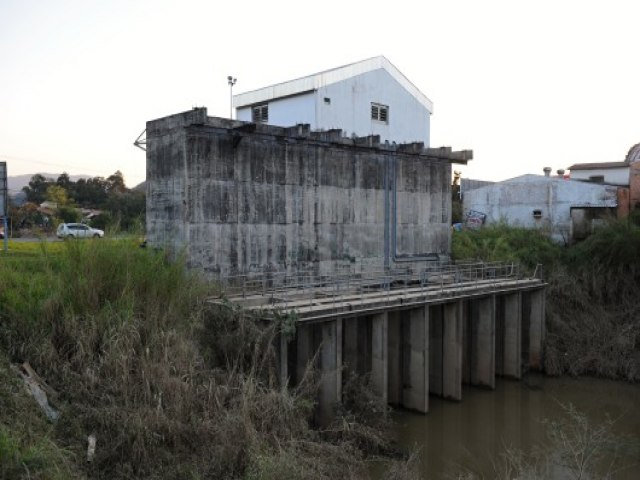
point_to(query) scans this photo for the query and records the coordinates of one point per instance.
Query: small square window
(537, 214)
(260, 113)
(327, 100)
(380, 112)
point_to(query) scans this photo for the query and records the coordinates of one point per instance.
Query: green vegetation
(506, 244)
(592, 299)
(120, 207)
(171, 387)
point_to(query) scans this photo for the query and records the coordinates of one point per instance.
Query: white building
(612, 173)
(370, 97)
(566, 209)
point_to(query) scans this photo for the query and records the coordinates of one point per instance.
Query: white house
(370, 97)
(566, 209)
(612, 173)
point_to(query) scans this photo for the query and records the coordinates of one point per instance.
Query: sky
(524, 84)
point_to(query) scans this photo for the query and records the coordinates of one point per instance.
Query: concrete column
(467, 314)
(415, 395)
(330, 391)
(394, 357)
(350, 346)
(284, 359)
(435, 349)
(304, 349)
(512, 318)
(483, 347)
(452, 351)
(536, 329)
(379, 354)
(500, 334)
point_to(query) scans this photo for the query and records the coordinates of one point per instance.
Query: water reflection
(472, 433)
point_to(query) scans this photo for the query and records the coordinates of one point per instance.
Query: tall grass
(171, 386)
(506, 244)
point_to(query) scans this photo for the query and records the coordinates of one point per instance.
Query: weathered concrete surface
(483, 337)
(511, 366)
(330, 388)
(380, 354)
(452, 351)
(238, 197)
(416, 365)
(536, 314)
(436, 318)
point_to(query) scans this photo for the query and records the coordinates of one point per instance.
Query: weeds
(576, 449)
(171, 386)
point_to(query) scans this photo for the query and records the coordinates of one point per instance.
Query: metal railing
(307, 288)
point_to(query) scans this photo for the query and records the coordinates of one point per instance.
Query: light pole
(231, 81)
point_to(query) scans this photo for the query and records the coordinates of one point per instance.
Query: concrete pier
(452, 351)
(482, 340)
(330, 391)
(511, 335)
(415, 392)
(436, 328)
(379, 354)
(536, 313)
(409, 353)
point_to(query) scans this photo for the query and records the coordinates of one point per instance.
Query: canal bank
(470, 436)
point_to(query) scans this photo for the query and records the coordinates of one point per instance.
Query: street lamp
(231, 81)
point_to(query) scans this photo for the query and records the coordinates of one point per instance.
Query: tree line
(118, 206)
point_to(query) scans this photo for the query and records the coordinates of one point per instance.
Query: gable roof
(598, 166)
(328, 77)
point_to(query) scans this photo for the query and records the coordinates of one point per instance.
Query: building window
(380, 112)
(537, 214)
(327, 100)
(596, 178)
(260, 113)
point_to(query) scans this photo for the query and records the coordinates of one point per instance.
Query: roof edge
(328, 77)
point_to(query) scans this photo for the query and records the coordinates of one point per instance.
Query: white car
(78, 230)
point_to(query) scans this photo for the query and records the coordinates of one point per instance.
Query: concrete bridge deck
(412, 333)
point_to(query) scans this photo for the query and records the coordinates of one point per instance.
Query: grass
(170, 386)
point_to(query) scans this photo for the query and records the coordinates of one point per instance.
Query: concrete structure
(241, 197)
(418, 339)
(370, 97)
(567, 209)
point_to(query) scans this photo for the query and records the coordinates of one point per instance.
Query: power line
(52, 164)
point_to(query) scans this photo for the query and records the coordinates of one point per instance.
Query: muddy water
(471, 434)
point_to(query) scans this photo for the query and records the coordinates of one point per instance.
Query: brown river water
(472, 433)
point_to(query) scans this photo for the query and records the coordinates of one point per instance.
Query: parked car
(78, 230)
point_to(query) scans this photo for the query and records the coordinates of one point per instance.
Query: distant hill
(16, 182)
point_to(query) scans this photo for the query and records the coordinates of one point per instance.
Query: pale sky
(524, 84)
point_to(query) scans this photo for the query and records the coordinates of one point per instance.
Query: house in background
(370, 97)
(568, 210)
(622, 174)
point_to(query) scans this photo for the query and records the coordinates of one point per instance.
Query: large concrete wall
(238, 197)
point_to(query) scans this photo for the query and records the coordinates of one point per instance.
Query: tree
(115, 183)
(58, 195)
(37, 189)
(91, 193)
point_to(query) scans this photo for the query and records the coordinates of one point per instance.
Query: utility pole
(232, 81)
